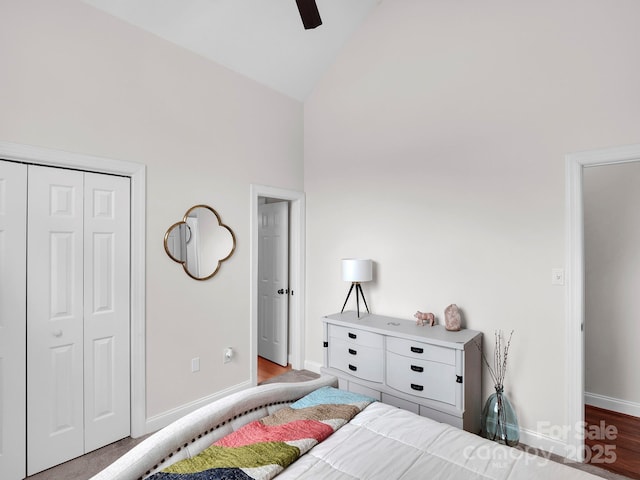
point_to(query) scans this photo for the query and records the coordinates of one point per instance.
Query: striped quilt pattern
(263, 448)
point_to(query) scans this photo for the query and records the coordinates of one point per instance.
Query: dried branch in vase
(498, 370)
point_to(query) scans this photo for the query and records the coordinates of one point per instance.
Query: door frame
(137, 173)
(296, 201)
(574, 300)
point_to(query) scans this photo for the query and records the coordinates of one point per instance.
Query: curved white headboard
(196, 431)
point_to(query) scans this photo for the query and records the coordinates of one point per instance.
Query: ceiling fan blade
(309, 13)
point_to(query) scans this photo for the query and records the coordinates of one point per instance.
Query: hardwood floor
(614, 441)
(267, 369)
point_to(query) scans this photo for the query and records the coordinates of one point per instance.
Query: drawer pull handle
(353, 367)
(417, 350)
(416, 368)
(419, 388)
(353, 352)
(352, 335)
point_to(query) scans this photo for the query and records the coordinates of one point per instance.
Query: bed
(341, 435)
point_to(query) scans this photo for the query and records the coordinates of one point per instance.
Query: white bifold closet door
(77, 314)
(13, 274)
(107, 387)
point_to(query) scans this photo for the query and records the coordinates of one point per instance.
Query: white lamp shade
(357, 269)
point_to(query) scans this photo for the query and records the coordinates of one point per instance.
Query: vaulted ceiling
(261, 39)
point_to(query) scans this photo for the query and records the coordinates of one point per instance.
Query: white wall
(76, 79)
(612, 283)
(435, 146)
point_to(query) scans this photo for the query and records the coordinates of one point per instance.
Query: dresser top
(404, 328)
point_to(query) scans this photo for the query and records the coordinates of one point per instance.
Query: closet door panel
(13, 319)
(106, 272)
(55, 430)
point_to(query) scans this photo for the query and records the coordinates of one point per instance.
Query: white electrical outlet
(227, 355)
(195, 364)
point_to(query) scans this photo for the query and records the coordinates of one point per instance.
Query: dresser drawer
(423, 378)
(422, 351)
(361, 337)
(358, 360)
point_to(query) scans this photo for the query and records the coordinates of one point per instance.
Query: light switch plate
(557, 276)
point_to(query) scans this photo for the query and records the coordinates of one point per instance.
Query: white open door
(13, 319)
(55, 426)
(273, 282)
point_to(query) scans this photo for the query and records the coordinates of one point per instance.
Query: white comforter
(387, 443)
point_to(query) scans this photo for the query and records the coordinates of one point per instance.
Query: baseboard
(159, 421)
(613, 404)
(539, 441)
(312, 366)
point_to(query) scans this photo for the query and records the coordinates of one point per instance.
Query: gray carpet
(85, 467)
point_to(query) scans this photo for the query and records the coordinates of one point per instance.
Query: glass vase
(499, 421)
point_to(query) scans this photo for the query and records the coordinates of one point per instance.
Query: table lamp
(356, 271)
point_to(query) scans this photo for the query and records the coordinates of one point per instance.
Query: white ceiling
(261, 39)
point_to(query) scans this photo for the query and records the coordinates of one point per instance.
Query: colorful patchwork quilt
(263, 448)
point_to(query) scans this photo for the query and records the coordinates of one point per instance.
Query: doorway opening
(575, 300)
(268, 369)
(273, 288)
(289, 293)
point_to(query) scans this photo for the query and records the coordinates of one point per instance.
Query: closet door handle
(57, 333)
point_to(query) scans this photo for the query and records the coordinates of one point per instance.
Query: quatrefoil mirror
(200, 242)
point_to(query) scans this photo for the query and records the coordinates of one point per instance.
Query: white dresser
(427, 370)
